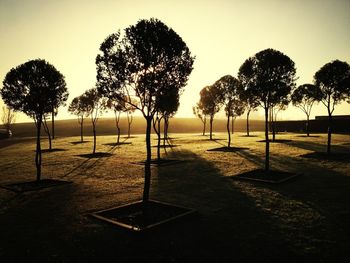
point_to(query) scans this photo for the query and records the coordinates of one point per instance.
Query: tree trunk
(50, 142)
(94, 131)
(330, 128)
(53, 124)
(308, 126)
(38, 151)
(267, 143)
(147, 184)
(228, 131)
(232, 130)
(81, 129)
(248, 113)
(211, 128)
(129, 123)
(158, 141)
(204, 124)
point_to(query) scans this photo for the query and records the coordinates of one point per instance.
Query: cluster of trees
(267, 79)
(144, 69)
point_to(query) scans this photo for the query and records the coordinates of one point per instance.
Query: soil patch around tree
(95, 155)
(271, 176)
(141, 216)
(310, 136)
(276, 141)
(248, 136)
(166, 146)
(114, 144)
(160, 162)
(227, 149)
(79, 142)
(53, 150)
(33, 185)
(344, 157)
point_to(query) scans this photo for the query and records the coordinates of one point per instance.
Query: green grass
(307, 218)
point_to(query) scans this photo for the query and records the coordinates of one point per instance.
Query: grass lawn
(305, 219)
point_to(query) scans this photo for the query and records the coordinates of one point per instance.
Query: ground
(305, 219)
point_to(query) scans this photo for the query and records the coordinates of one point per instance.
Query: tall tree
(198, 112)
(30, 87)
(150, 58)
(270, 76)
(333, 81)
(230, 90)
(95, 105)
(78, 106)
(211, 98)
(304, 98)
(130, 109)
(8, 117)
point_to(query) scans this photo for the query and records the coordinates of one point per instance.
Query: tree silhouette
(8, 117)
(198, 111)
(270, 76)
(333, 81)
(230, 90)
(304, 98)
(274, 110)
(148, 60)
(211, 98)
(95, 105)
(130, 109)
(250, 101)
(118, 106)
(30, 88)
(78, 106)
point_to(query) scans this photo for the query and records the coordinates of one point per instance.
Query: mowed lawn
(305, 219)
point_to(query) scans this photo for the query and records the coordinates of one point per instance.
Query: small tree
(78, 107)
(30, 88)
(95, 105)
(130, 109)
(251, 103)
(8, 117)
(304, 98)
(230, 90)
(149, 59)
(274, 110)
(333, 81)
(198, 112)
(118, 106)
(270, 76)
(211, 98)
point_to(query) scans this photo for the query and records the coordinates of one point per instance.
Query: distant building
(335, 117)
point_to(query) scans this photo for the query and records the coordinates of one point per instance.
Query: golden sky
(221, 34)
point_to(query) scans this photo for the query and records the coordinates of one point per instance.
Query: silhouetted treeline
(316, 126)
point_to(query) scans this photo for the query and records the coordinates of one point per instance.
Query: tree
(250, 101)
(149, 59)
(304, 98)
(270, 76)
(130, 109)
(274, 110)
(118, 106)
(198, 112)
(30, 88)
(8, 117)
(211, 99)
(95, 105)
(333, 81)
(79, 107)
(230, 90)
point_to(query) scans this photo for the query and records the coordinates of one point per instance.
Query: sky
(222, 34)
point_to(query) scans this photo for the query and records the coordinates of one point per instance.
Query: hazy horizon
(68, 34)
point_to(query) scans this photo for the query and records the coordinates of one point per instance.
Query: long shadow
(230, 220)
(317, 147)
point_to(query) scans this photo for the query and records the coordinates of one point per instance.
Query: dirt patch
(79, 142)
(271, 176)
(140, 216)
(276, 141)
(160, 162)
(95, 155)
(114, 144)
(227, 149)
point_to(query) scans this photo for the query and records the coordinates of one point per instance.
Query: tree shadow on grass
(33, 185)
(53, 150)
(96, 155)
(340, 157)
(248, 136)
(166, 146)
(316, 147)
(310, 136)
(276, 141)
(229, 218)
